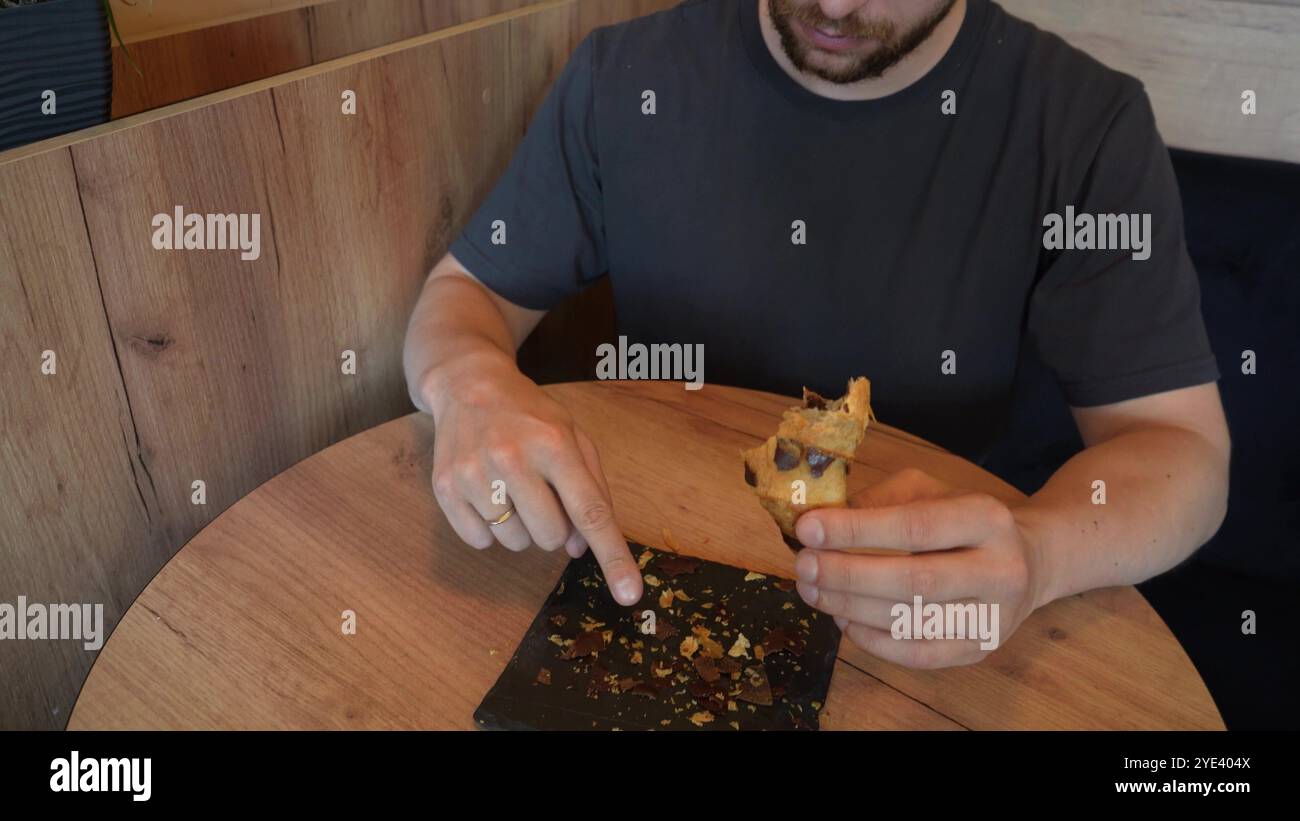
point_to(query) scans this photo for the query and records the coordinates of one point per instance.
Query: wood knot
(152, 344)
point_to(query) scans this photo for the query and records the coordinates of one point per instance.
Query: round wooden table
(243, 627)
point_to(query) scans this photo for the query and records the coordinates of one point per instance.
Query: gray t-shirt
(923, 265)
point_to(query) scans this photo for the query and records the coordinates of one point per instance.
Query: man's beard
(893, 46)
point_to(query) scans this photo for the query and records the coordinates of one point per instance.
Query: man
(816, 189)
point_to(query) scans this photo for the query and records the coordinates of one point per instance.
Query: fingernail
(808, 592)
(841, 622)
(627, 591)
(810, 532)
(806, 567)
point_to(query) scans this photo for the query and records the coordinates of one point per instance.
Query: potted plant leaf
(56, 68)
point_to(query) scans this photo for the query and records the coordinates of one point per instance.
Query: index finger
(925, 524)
(893, 578)
(592, 513)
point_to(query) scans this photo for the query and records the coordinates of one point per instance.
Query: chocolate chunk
(711, 696)
(792, 543)
(818, 461)
(707, 669)
(787, 455)
(649, 689)
(750, 478)
(664, 629)
(727, 665)
(700, 688)
(587, 643)
(780, 638)
(754, 687)
(711, 648)
(599, 681)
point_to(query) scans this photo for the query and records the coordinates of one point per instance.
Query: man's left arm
(1163, 459)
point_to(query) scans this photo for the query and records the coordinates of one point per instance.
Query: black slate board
(610, 682)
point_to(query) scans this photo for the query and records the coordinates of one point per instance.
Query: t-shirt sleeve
(539, 236)
(1109, 326)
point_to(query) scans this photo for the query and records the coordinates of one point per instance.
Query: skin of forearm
(454, 332)
(1166, 493)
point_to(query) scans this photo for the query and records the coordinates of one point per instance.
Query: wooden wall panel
(348, 26)
(1195, 58)
(142, 20)
(439, 14)
(194, 61)
(189, 325)
(188, 64)
(178, 366)
(237, 363)
(77, 505)
(150, 19)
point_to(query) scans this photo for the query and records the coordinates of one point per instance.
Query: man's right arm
(493, 423)
(459, 322)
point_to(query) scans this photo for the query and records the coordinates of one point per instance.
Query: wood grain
(185, 366)
(1195, 58)
(76, 501)
(242, 628)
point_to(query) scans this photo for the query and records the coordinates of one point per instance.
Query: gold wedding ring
(502, 519)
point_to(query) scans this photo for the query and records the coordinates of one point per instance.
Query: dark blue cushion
(1243, 232)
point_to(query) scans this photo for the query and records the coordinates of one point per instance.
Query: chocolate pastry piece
(738, 651)
(814, 444)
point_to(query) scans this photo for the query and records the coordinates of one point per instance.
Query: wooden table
(242, 629)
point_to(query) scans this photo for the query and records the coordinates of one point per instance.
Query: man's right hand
(494, 424)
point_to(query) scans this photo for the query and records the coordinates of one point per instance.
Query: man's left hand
(966, 547)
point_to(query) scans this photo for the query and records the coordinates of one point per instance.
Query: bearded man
(819, 189)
